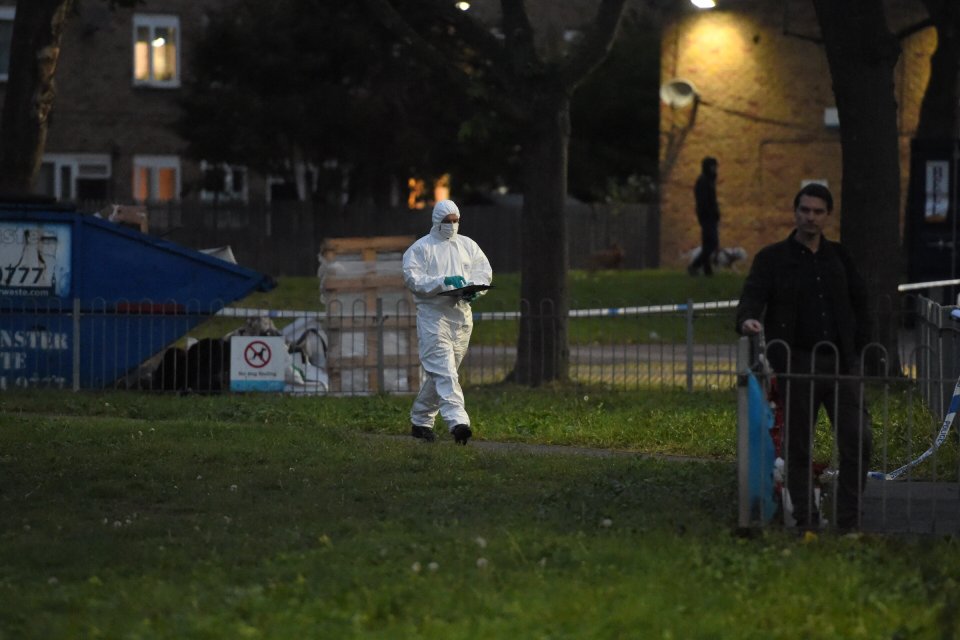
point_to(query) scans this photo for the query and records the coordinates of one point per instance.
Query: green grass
(132, 516)
(622, 288)
(616, 289)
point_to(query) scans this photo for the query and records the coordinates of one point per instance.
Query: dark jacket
(705, 195)
(770, 295)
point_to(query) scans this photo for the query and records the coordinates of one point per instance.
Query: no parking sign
(257, 363)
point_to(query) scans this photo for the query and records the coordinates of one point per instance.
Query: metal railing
(686, 345)
(912, 483)
(367, 345)
(689, 345)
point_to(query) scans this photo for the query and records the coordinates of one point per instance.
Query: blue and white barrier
(612, 312)
(608, 312)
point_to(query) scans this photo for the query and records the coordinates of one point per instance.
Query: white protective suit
(444, 323)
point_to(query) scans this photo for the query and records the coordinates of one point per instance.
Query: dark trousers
(709, 243)
(846, 409)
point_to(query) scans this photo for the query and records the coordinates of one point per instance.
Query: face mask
(448, 229)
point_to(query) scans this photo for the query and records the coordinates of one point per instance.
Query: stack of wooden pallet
(371, 317)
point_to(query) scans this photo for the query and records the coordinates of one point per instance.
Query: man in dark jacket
(815, 317)
(708, 215)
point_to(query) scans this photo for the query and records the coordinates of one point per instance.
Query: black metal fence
(352, 348)
(903, 404)
(122, 343)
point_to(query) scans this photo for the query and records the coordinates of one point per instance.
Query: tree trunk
(938, 112)
(538, 95)
(862, 52)
(37, 33)
(543, 354)
(939, 123)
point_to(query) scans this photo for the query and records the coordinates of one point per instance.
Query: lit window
(156, 178)
(6, 37)
(82, 177)
(223, 182)
(418, 195)
(156, 50)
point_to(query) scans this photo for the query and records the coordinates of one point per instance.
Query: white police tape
(240, 312)
(941, 437)
(609, 312)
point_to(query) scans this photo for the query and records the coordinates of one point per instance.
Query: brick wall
(98, 109)
(762, 116)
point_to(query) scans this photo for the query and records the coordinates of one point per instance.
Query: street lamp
(704, 4)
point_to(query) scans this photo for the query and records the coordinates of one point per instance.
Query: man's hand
(470, 297)
(454, 281)
(751, 327)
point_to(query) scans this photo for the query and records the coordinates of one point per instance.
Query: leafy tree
(274, 84)
(532, 87)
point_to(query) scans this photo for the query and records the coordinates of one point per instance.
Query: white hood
(442, 210)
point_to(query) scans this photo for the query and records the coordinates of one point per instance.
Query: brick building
(111, 135)
(766, 112)
(118, 82)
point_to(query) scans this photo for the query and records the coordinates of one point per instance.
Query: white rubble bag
(307, 343)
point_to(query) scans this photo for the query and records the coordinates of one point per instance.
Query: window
(156, 50)
(223, 182)
(156, 178)
(81, 177)
(6, 37)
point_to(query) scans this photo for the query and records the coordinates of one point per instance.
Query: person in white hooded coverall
(440, 261)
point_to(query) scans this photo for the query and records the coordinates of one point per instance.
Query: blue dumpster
(84, 301)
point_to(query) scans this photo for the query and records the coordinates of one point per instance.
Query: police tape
(606, 312)
(941, 437)
(612, 312)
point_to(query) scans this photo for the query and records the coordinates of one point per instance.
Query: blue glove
(454, 281)
(470, 297)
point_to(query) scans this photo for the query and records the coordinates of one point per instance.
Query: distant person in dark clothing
(708, 215)
(810, 296)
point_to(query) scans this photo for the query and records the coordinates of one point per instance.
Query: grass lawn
(596, 290)
(587, 289)
(125, 515)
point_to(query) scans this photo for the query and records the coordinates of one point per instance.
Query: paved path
(912, 507)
